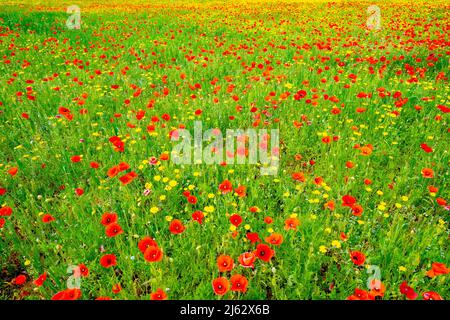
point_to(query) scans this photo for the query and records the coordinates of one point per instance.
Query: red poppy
(75, 159)
(298, 176)
(119, 146)
(239, 283)
(158, 295)
(84, 271)
(268, 220)
(225, 263)
(427, 173)
(357, 257)
(47, 218)
(109, 218)
(116, 288)
(79, 191)
(13, 171)
(225, 187)
(153, 254)
(108, 260)
(40, 280)
(198, 216)
(431, 295)
(357, 210)
(291, 223)
(192, 199)
(176, 227)
(361, 295)
(348, 201)
(275, 239)
(426, 148)
(128, 177)
(5, 211)
(113, 171)
(68, 294)
(145, 243)
(2, 191)
(94, 165)
(253, 237)
(220, 286)
(241, 191)
(437, 268)
(264, 252)
(408, 291)
(19, 280)
(247, 259)
(113, 229)
(236, 220)
(2, 222)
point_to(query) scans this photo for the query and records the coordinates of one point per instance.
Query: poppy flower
(159, 294)
(75, 159)
(113, 171)
(13, 171)
(236, 220)
(357, 257)
(268, 220)
(84, 271)
(198, 216)
(108, 260)
(247, 259)
(153, 254)
(47, 218)
(427, 173)
(264, 252)
(68, 294)
(2, 191)
(109, 218)
(192, 199)
(145, 243)
(298, 176)
(2, 222)
(128, 177)
(5, 211)
(225, 187)
(431, 295)
(79, 191)
(113, 229)
(176, 226)
(116, 288)
(94, 165)
(239, 283)
(357, 210)
(19, 280)
(119, 146)
(291, 224)
(377, 288)
(40, 280)
(437, 268)
(241, 191)
(220, 286)
(361, 295)
(275, 239)
(408, 291)
(426, 148)
(253, 237)
(348, 201)
(225, 263)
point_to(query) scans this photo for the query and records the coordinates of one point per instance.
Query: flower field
(93, 101)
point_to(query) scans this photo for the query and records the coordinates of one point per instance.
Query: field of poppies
(93, 93)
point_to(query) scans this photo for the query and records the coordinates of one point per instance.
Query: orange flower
(298, 176)
(437, 269)
(357, 210)
(330, 205)
(13, 171)
(113, 171)
(264, 252)
(377, 288)
(128, 177)
(247, 259)
(220, 286)
(158, 295)
(225, 263)
(275, 238)
(153, 254)
(366, 150)
(427, 173)
(291, 223)
(239, 283)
